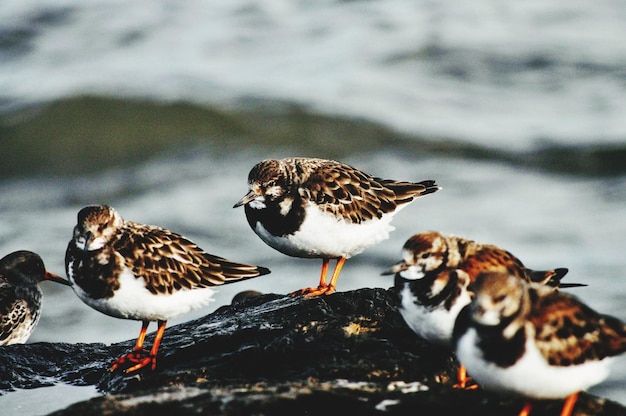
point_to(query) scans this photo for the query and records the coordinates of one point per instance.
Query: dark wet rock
(352, 335)
(44, 364)
(314, 397)
(271, 354)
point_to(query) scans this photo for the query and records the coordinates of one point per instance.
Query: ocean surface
(160, 109)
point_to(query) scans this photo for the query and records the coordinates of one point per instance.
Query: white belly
(434, 325)
(323, 235)
(531, 376)
(133, 301)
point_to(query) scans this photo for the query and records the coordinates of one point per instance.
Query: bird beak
(56, 278)
(397, 268)
(247, 198)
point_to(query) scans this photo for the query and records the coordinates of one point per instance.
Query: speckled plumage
(143, 272)
(432, 252)
(20, 295)
(436, 273)
(433, 281)
(317, 208)
(527, 339)
(167, 262)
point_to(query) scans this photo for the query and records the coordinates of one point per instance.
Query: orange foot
(310, 292)
(134, 361)
(467, 384)
(464, 381)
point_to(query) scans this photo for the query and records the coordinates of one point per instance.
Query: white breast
(434, 325)
(133, 301)
(530, 376)
(324, 235)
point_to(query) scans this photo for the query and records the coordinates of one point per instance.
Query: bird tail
(551, 278)
(407, 191)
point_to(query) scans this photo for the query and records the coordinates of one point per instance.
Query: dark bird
(20, 295)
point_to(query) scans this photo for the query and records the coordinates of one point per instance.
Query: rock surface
(273, 354)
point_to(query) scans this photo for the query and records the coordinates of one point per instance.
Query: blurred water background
(518, 109)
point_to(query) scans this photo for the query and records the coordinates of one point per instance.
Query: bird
(143, 272)
(319, 208)
(20, 294)
(433, 282)
(529, 340)
(433, 252)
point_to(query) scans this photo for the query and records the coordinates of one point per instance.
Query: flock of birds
(511, 327)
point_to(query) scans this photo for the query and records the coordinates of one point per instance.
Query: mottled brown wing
(492, 259)
(569, 332)
(13, 311)
(357, 196)
(169, 262)
(488, 257)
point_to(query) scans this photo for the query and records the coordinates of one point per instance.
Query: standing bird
(433, 281)
(134, 271)
(529, 340)
(20, 295)
(316, 208)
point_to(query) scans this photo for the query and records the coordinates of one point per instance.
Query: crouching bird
(529, 340)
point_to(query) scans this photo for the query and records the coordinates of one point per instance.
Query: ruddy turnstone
(135, 271)
(433, 281)
(529, 340)
(433, 252)
(20, 295)
(317, 208)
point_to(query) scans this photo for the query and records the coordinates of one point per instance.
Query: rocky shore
(272, 354)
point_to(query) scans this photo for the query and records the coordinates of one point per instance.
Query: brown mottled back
(476, 258)
(569, 332)
(169, 262)
(344, 190)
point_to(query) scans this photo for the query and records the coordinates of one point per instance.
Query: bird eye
(499, 298)
(271, 183)
(425, 255)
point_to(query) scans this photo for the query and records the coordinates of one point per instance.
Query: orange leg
(322, 283)
(142, 335)
(157, 342)
(325, 263)
(333, 280)
(324, 288)
(568, 407)
(526, 410)
(463, 380)
(140, 357)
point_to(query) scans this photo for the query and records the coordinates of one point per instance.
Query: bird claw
(466, 384)
(310, 292)
(134, 361)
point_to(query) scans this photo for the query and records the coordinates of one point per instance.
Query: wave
(94, 133)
